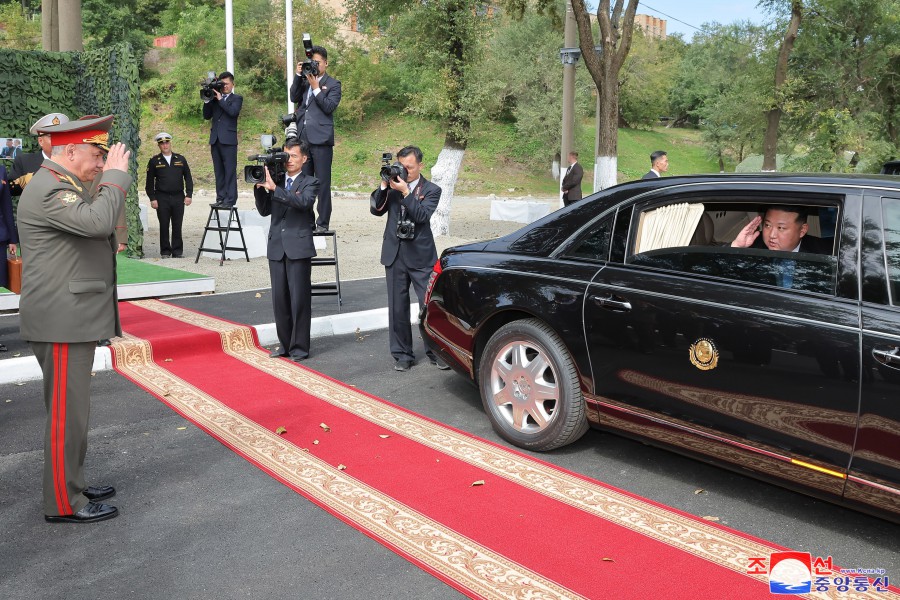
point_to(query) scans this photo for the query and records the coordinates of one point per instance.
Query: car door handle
(612, 303)
(888, 357)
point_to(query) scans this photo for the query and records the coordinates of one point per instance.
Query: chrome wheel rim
(524, 387)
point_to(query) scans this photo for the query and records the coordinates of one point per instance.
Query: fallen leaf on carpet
(167, 360)
(359, 336)
(606, 559)
(342, 468)
(281, 431)
(384, 436)
(315, 441)
(708, 518)
(93, 374)
(258, 295)
(699, 491)
(324, 426)
(182, 428)
(305, 450)
(166, 393)
(479, 482)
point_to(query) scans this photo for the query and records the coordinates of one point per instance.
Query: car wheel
(530, 388)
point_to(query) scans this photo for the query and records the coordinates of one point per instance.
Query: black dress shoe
(91, 513)
(3, 347)
(321, 229)
(298, 357)
(178, 256)
(403, 365)
(104, 342)
(95, 493)
(277, 354)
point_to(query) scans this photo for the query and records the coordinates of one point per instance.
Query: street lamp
(569, 56)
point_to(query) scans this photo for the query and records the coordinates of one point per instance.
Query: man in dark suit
(27, 164)
(223, 110)
(784, 229)
(67, 222)
(317, 97)
(659, 164)
(7, 151)
(407, 252)
(290, 250)
(571, 183)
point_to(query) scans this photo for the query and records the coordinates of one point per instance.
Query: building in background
(652, 26)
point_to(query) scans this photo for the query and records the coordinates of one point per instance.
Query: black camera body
(308, 66)
(392, 171)
(274, 158)
(406, 229)
(209, 87)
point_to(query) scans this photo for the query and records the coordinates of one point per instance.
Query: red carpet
(531, 530)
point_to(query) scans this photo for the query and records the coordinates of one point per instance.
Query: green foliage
(18, 32)
(99, 82)
(107, 22)
(646, 78)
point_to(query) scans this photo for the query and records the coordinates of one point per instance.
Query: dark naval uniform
(169, 184)
(67, 231)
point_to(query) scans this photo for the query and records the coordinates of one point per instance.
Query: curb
(26, 368)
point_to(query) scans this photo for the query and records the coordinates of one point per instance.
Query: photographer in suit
(222, 111)
(317, 97)
(408, 252)
(290, 250)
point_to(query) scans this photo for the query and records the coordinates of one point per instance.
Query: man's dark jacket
(224, 116)
(318, 116)
(420, 251)
(290, 230)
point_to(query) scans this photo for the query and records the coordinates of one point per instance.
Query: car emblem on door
(704, 355)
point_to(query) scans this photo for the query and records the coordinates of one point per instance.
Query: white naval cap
(46, 121)
(163, 137)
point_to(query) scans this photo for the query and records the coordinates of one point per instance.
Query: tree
(773, 115)
(18, 32)
(646, 78)
(438, 45)
(616, 30)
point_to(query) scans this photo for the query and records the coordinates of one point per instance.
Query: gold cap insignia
(704, 354)
(55, 121)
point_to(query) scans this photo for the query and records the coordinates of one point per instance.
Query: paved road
(199, 522)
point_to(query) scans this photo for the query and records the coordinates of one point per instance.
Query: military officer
(169, 187)
(67, 223)
(26, 165)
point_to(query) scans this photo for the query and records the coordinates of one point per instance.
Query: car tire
(530, 387)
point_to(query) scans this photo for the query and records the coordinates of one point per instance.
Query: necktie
(290, 181)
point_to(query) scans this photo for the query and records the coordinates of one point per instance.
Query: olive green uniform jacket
(67, 233)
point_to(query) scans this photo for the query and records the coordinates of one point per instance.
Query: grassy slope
(495, 161)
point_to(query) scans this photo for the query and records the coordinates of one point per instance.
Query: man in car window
(784, 229)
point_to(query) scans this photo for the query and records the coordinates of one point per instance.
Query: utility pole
(289, 37)
(569, 57)
(61, 38)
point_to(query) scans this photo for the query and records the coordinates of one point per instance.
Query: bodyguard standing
(571, 183)
(67, 220)
(222, 112)
(290, 250)
(408, 252)
(169, 187)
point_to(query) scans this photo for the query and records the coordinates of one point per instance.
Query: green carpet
(141, 271)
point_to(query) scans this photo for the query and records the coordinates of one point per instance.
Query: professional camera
(406, 229)
(308, 66)
(275, 159)
(210, 86)
(392, 171)
(290, 127)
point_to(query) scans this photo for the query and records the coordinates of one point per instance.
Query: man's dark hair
(656, 156)
(406, 151)
(801, 211)
(320, 51)
(226, 75)
(573, 153)
(295, 143)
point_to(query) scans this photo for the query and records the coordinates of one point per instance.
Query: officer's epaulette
(63, 177)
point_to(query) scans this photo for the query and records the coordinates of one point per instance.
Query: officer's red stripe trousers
(58, 426)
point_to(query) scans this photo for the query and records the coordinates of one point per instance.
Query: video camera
(210, 86)
(392, 171)
(308, 66)
(275, 159)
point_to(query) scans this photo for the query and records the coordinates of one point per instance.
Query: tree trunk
(444, 173)
(606, 164)
(773, 116)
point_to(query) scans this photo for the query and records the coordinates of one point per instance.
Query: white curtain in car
(668, 226)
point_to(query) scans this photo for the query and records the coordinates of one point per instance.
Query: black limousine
(751, 320)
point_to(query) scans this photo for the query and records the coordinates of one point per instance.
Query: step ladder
(214, 223)
(328, 289)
